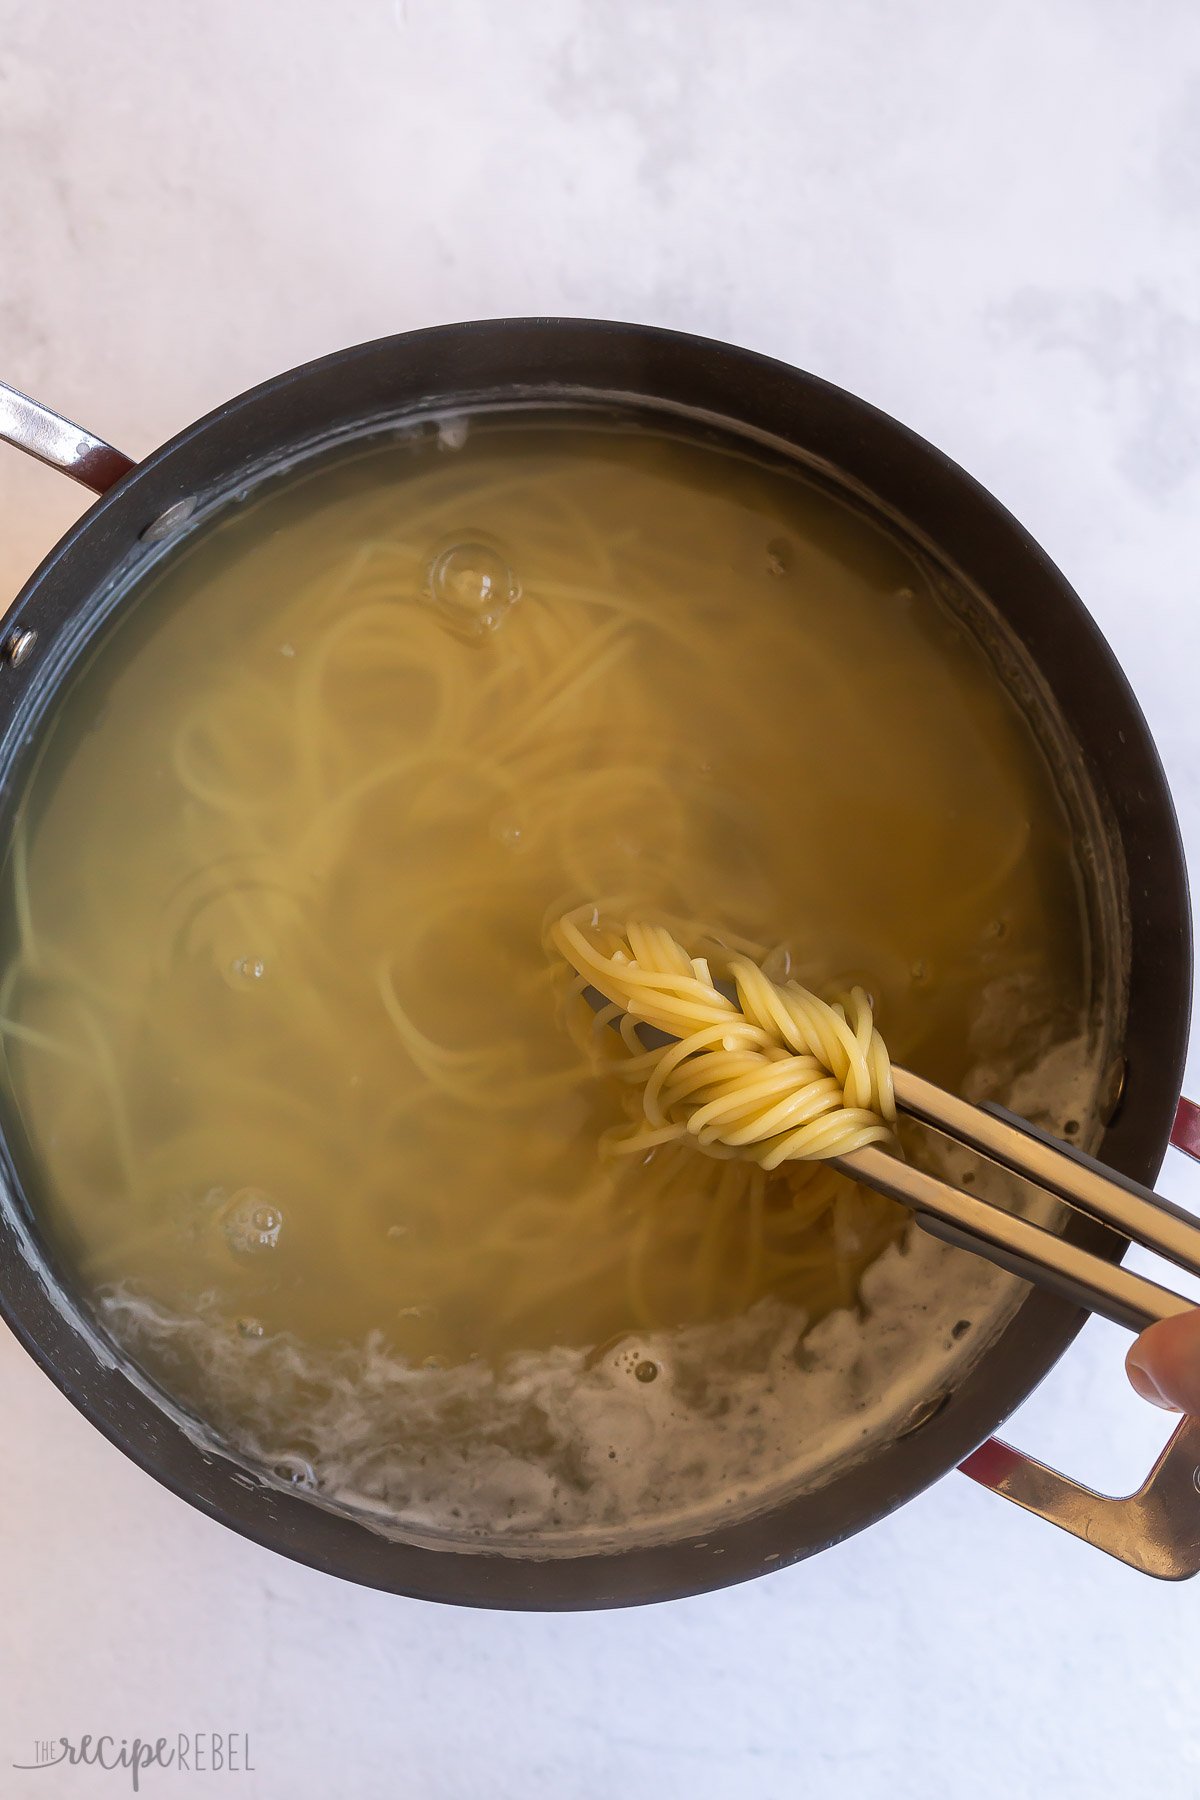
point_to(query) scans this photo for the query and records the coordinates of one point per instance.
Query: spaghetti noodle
(777, 1074)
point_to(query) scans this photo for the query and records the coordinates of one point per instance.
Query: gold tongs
(1017, 1244)
(1004, 1238)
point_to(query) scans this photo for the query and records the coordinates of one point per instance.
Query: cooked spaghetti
(776, 1075)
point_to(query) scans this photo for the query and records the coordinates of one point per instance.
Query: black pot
(889, 469)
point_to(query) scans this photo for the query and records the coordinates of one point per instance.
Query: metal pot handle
(56, 441)
(1157, 1529)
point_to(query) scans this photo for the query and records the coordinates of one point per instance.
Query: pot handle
(56, 441)
(1156, 1530)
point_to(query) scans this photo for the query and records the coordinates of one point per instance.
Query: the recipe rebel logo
(199, 1753)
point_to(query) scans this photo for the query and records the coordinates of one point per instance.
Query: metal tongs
(1017, 1244)
(1003, 1237)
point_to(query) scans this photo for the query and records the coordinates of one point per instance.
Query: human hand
(1164, 1363)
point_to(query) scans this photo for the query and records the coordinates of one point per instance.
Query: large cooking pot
(143, 511)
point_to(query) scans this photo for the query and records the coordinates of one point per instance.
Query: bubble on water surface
(251, 1221)
(507, 832)
(295, 1470)
(471, 586)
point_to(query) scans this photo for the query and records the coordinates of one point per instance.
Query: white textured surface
(985, 221)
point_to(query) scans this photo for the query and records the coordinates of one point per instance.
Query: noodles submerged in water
(292, 1097)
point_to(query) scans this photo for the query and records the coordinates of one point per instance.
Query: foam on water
(566, 1449)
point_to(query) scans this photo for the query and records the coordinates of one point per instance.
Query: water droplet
(250, 1328)
(472, 587)
(646, 1371)
(249, 968)
(780, 556)
(251, 1221)
(777, 964)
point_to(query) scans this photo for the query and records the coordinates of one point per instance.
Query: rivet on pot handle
(56, 441)
(1156, 1530)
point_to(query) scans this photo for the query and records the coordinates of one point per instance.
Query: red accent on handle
(991, 1463)
(1185, 1132)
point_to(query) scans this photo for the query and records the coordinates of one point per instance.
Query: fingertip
(1164, 1364)
(1144, 1384)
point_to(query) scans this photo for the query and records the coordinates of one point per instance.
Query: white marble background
(984, 219)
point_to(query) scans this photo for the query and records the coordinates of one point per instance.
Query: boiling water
(300, 1113)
